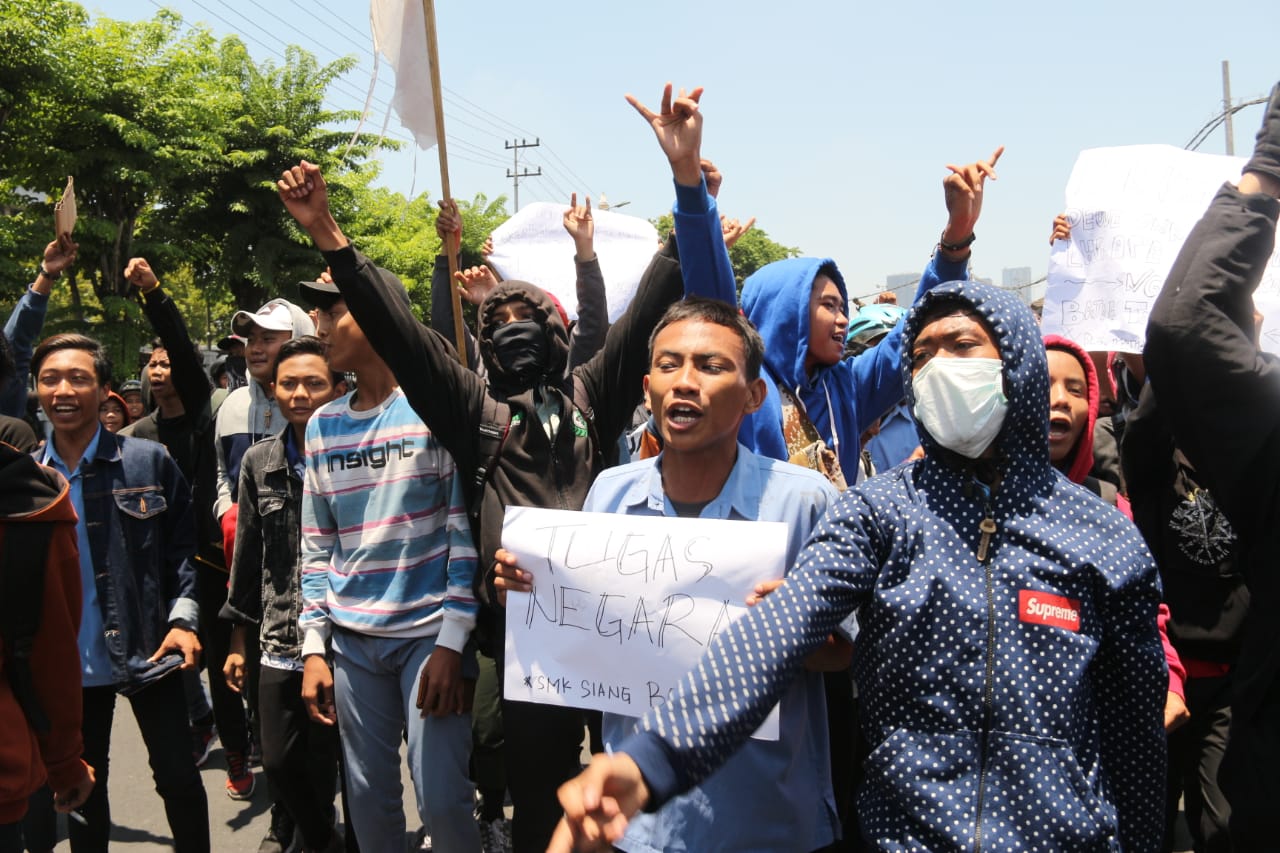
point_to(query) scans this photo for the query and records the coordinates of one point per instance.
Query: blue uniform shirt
(94, 658)
(772, 795)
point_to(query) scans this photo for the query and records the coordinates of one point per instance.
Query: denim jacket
(265, 585)
(141, 533)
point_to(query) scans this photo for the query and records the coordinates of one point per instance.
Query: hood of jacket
(1079, 461)
(776, 299)
(1023, 440)
(544, 314)
(31, 492)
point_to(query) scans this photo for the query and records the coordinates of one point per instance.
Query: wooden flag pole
(452, 246)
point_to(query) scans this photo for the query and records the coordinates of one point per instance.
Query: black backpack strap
(606, 453)
(25, 552)
(495, 425)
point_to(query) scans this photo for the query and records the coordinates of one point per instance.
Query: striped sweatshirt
(386, 545)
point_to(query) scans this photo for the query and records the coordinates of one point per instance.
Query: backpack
(495, 426)
(22, 570)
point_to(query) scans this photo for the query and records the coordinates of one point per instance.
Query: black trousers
(161, 712)
(300, 757)
(1195, 756)
(215, 636)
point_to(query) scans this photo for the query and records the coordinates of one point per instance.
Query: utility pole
(1226, 108)
(515, 173)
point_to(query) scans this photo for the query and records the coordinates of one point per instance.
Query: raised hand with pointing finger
(678, 126)
(963, 189)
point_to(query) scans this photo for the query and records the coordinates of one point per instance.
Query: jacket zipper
(987, 527)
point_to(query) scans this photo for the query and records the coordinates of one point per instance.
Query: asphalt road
(137, 812)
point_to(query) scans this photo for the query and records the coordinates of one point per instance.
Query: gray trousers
(375, 689)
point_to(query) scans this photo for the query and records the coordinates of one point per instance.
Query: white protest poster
(64, 210)
(1130, 210)
(623, 606)
(533, 246)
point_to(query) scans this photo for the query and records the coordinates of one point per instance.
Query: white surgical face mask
(961, 402)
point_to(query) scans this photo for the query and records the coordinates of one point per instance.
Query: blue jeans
(375, 689)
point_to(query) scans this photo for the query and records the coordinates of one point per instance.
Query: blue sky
(832, 121)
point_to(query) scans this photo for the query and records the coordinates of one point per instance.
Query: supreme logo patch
(1044, 608)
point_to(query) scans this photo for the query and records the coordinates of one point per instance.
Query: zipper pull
(987, 527)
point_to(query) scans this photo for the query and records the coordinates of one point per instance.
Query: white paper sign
(533, 246)
(1130, 210)
(623, 606)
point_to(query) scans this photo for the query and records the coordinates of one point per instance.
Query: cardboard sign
(64, 211)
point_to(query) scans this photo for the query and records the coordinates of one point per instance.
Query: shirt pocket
(141, 503)
(140, 511)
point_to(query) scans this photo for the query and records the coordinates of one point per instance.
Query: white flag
(400, 34)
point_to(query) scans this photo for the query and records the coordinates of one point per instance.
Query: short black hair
(720, 314)
(74, 340)
(305, 345)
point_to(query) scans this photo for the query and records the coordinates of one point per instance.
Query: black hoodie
(532, 469)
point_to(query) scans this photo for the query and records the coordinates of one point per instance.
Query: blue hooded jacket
(1012, 704)
(842, 399)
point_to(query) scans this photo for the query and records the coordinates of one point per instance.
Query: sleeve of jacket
(593, 313)
(442, 313)
(179, 580)
(1132, 682)
(704, 258)
(1204, 365)
(460, 605)
(614, 376)
(319, 539)
(446, 395)
(55, 660)
(186, 370)
(720, 703)
(244, 592)
(22, 329)
(876, 375)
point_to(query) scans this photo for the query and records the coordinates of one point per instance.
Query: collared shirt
(896, 440)
(791, 775)
(95, 661)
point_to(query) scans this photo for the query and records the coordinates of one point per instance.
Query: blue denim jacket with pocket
(141, 531)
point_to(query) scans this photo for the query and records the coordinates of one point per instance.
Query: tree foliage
(175, 140)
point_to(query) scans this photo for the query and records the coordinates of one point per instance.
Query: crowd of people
(1025, 605)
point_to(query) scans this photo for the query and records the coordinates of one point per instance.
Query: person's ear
(648, 404)
(757, 390)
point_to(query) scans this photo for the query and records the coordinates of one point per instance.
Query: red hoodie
(30, 492)
(1079, 463)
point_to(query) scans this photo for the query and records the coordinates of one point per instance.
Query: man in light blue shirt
(704, 377)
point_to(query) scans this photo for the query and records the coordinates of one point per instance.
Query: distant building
(1018, 279)
(904, 286)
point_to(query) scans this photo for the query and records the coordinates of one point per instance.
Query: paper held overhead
(64, 210)
(1130, 210)
(399, 34)
(533, 246)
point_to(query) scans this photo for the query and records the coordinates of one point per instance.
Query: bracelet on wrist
(958, 246)
(52, 276)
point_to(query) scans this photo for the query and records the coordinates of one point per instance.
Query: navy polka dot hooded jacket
(1011, 704)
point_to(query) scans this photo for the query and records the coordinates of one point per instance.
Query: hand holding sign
(58, 255)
